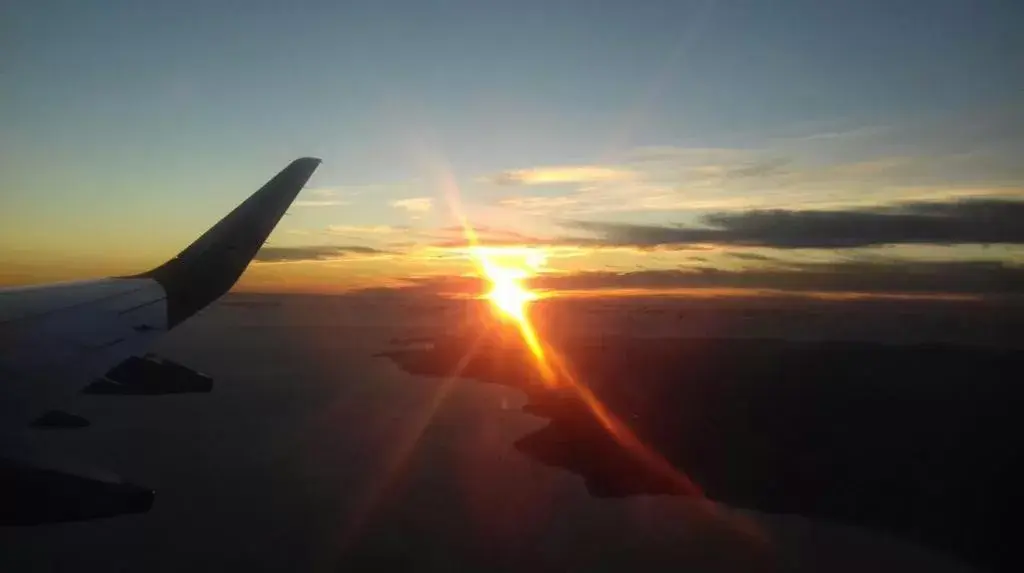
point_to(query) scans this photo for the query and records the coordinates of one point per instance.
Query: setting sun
(508, 293)
(506, 268)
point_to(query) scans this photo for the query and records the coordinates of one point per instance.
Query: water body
(315, 452)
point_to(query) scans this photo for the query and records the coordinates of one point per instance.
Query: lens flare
(508, 293)
(512, 297)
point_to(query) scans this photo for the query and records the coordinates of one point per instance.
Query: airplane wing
(55, 339)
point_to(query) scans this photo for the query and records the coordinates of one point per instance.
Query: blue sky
(148, 120)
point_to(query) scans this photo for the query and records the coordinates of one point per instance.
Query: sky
(666, 147)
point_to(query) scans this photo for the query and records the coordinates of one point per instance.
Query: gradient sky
(635, 140)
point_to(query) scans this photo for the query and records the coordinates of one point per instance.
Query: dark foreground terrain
(921, 441)
(315, 453)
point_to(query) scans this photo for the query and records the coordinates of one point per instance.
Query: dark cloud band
(310, 253)
(983, 221)
(970, 278)
(907, 277)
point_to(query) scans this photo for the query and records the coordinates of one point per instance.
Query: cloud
(926, 159)
(366, 229)
(744, 256)
(323, 197)
(979, 221)
(559, 175)
(758, 168)
(312, 253)
(747, 181)
(322, 192)
(319, 203)
(841, 133)
(891, 276)
(455, 237)
(415, 205)
(538, 204)
(403, 237)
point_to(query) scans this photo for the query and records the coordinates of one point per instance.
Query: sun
(507, 269)
(509, 296)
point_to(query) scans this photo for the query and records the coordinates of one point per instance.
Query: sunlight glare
(511, 297)
(508, 293)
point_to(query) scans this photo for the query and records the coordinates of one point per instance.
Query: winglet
(211, 265)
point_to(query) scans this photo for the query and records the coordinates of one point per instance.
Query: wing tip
(308, 162)
(303, 167)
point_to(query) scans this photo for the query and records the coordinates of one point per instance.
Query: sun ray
(510, 295)
(403, 449)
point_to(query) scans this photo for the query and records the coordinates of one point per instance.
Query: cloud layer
(562, 174)
(912, 277)
(927, 159)
(415, 205)
(988, 221)
(311, 253)
(319, 203)
(886, 277)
